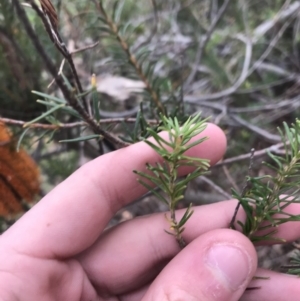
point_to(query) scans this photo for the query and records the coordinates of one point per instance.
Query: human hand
(60, 251)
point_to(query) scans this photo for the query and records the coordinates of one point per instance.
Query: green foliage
(294, 266)
(266, 198)
(165, 175)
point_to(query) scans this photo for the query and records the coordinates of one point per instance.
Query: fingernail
(230, 263)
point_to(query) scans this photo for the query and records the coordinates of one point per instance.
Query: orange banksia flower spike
(19, 176)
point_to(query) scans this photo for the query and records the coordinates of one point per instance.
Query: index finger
(71, 217)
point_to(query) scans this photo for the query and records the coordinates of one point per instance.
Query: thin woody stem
(172, 205)
(61, 48)
(69, 96)
(71, 124)
(132, 59)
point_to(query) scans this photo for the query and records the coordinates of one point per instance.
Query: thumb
(217, 266)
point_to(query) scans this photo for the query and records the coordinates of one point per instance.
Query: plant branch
(70, 125)
(265, 198)
(165, 175)
(131, 58)
(69, 96)
(276, 148)
(244, 190)
(60, 45)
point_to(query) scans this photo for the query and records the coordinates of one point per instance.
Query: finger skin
(73, 215)
(276, 286)
(141, 247)
(195, 275)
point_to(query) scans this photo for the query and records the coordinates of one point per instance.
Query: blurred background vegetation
(237, 61)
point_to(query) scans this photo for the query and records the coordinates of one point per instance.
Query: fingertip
(213, 148)
(216, 143)
(216, 266)
(232, 254)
